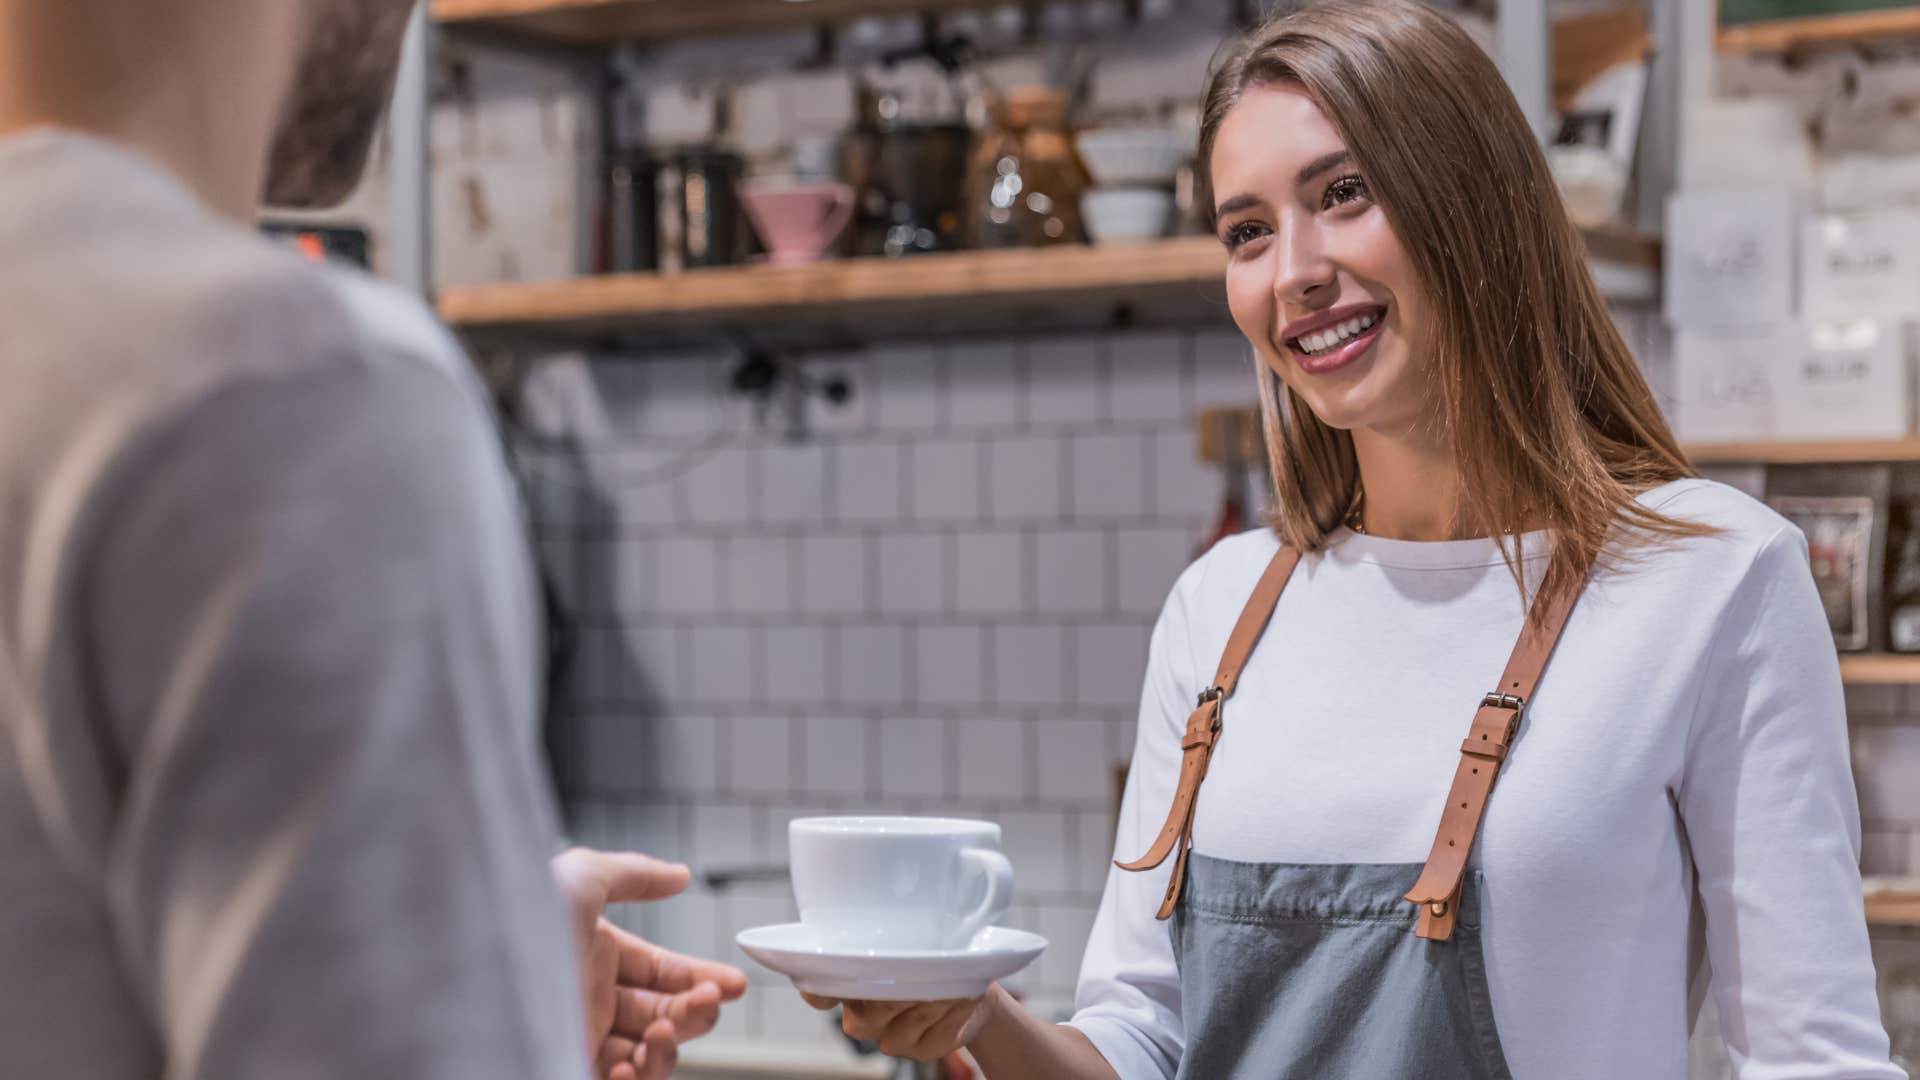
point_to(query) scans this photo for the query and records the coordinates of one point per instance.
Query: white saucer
(794, 950)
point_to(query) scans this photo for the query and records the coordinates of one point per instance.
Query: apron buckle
(1215, 694)
(1497, 700)
(1494, 699)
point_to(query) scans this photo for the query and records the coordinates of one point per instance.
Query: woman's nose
(1301, 267)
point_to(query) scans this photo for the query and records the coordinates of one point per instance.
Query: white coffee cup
(898, 883)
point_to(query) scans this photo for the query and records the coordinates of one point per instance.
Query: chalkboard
(1738, 12)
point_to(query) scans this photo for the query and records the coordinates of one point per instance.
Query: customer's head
(1365, 159)
(348, 58)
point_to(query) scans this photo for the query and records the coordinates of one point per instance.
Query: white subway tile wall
(1026, 479)
(941, 606)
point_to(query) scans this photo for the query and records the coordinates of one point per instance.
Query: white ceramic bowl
(1134, 157)
(1125, 215)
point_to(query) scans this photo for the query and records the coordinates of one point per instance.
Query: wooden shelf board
(605, 22)
(1879, 668)
(1864, 451)
(973, 290)
(1804, 453)
(1894, 909)
(1784, 34)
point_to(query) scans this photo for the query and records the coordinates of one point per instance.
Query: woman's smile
(1332, 340)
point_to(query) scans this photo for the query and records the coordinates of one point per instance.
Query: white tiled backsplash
(939, 602)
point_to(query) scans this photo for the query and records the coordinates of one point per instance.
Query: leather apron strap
(1494, 725)
(1203, 727)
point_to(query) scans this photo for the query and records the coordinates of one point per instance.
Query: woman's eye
(1244, 233)
(1345, 190)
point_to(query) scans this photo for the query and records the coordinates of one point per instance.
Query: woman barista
(1473, 481)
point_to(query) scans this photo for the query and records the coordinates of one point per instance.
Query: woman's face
(1316, 279)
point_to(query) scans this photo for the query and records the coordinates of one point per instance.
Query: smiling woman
(1329, 887)
(1409, 190)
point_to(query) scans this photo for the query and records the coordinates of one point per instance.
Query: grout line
(1058, 522)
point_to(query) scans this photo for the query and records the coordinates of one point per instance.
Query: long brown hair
(1551, 422)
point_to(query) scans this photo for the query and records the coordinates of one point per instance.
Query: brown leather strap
(1204, 726)
(1481, 754)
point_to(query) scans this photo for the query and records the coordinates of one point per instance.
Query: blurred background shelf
(1804, 453)
(1876, 19)
(1169, 282)
(1861, 668)
(1894, 909)
(607, 22)
(1175, 282)
(1215, 427)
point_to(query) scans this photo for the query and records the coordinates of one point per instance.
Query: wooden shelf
(606, 22)
(1212, 425)
(1165, 282)
(1861, 668)
(1894, 909)
(1784, 34)
(1804, 453)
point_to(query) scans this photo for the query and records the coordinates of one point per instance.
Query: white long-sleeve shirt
(1688, 740)
(270, 795)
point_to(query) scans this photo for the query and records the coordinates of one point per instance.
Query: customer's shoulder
(126, 280)
(259, 312)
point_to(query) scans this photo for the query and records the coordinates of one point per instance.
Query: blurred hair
(1551, 422)
(344, 83)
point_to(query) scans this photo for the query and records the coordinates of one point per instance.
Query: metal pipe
(410, 225)
(1526, 59)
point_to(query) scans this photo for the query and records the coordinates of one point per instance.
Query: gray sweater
(270, 803)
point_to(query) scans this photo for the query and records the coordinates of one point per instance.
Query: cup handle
(998, 872)
(839, 213)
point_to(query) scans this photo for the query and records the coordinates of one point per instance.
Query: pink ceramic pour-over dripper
(796, 219)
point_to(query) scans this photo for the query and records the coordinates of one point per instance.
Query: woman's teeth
(1323, 340)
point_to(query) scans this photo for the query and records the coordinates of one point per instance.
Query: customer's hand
(642, 1001)
(917, 1030)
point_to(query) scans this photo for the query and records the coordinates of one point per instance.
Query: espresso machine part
(713, 229)
(633, 212)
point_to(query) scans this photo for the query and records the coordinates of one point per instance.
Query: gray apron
(1338, 971)
(1313, 972)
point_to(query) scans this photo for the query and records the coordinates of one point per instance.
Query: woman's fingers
(922, 1031)
(952, 1031)
(824, 1004)
(908, 1035)
(869, 1019)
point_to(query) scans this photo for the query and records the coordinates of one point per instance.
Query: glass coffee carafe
(1025, 179)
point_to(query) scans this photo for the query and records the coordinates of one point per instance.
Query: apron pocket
(1314, 972)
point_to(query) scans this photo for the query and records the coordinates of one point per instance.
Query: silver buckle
(1497, 700)
(1215, 693)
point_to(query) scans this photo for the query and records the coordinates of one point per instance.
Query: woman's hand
(917, 1030)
